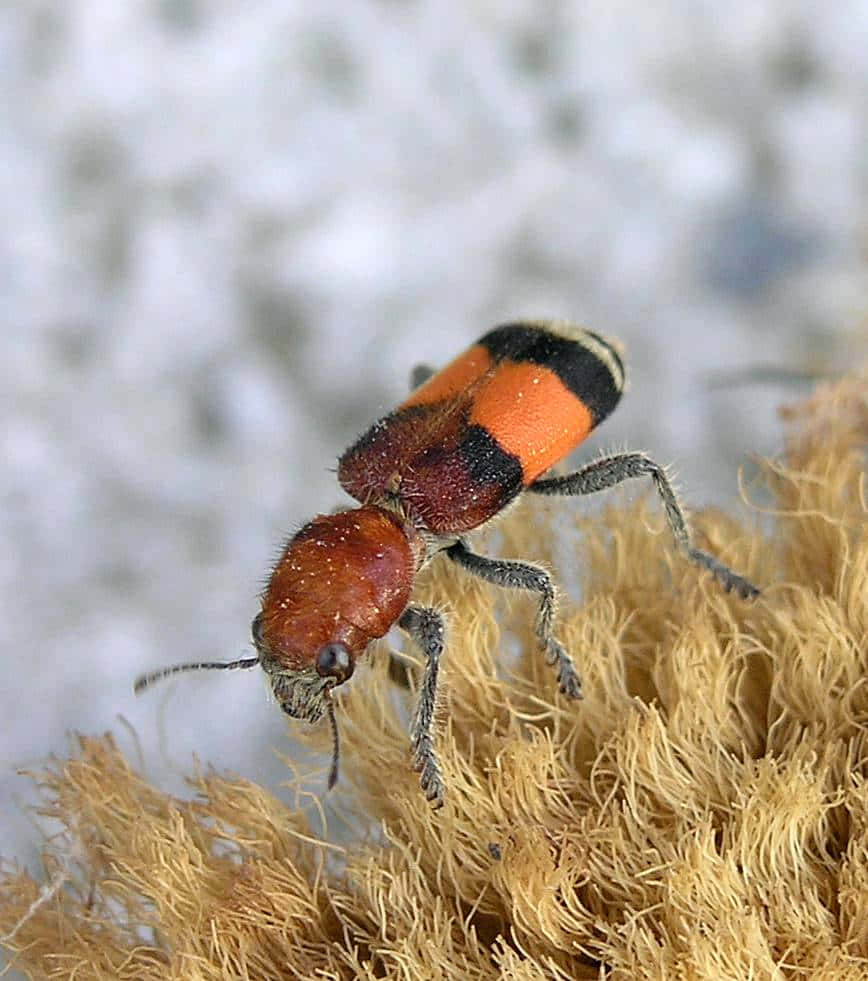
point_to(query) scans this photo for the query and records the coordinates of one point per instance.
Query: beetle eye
(256, 629)
(335, 661)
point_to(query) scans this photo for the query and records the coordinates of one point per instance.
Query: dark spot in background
(181, 16)
(280, 319)
(75, 343)
(195, 193)
(333, 65)
(795, 65)
(95, 187)
(565, 122)
(47, 35)
(534, 53)
(750, 246)
(94, 158)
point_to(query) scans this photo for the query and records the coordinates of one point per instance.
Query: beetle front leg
(425, 627)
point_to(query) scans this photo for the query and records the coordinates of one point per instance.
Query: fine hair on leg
(611, 470)
(512, 574)
(425, 627)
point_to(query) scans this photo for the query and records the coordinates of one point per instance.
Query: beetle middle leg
(512, 574)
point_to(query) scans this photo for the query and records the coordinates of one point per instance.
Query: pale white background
(230, 228)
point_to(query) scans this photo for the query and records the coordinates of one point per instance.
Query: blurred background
(231, 227)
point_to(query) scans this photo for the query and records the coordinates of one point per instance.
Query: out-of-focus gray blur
(231, 228)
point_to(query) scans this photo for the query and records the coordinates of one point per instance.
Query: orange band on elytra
(455, 379)
(531, 414)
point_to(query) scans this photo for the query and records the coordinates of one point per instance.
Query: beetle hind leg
(603, 474)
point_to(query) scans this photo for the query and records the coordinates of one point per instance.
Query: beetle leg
(420, 374)
(523, 575)
(425, 627)
(612, 470)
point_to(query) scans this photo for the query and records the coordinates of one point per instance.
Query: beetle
(462, 447)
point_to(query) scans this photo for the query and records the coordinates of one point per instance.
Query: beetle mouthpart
(302, 694)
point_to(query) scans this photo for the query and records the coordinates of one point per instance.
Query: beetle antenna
(336, 748)
(146, 680)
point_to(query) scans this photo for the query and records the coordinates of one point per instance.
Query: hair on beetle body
(456, 453)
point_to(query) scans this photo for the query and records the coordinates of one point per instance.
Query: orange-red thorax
(344, 578)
